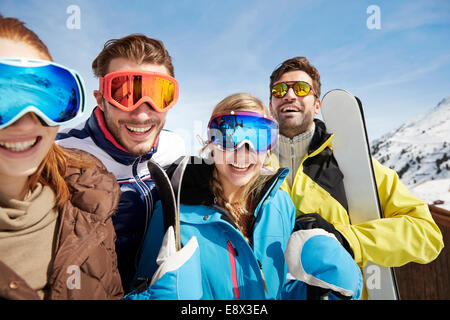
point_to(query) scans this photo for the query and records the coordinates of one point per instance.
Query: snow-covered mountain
(436, 192)
(419, 151)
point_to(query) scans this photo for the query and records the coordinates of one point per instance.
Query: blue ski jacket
(138, 192)
(231, 267)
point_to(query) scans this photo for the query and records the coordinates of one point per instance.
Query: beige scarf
(27, 230)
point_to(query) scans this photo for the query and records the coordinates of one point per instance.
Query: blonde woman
(233, 205)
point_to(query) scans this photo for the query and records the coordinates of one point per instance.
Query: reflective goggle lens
(51, 91)
(301, 89)
(127, 90)
(232, 130)
(279, 90)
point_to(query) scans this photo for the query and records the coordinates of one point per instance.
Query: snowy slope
(436, 192)
(419, 151)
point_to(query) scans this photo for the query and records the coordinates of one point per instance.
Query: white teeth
(18, 146)
(240, 166)
(287, 109)
(134, 129)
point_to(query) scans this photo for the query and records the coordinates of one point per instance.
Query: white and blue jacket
(139, 196)
(231, 267)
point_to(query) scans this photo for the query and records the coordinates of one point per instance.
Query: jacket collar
(321, 137)
(103, 138)
(195, 182)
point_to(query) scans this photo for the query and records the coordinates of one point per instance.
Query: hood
(320, 136)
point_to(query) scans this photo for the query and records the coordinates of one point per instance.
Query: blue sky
(222, 47)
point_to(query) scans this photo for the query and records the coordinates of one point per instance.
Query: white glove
(169, 259)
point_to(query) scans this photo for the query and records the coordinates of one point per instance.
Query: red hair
(52, 169)
(14, 29)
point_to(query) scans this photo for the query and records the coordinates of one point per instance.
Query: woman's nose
(27, 121)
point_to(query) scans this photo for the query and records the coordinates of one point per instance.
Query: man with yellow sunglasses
(406, 233)
(136, 89)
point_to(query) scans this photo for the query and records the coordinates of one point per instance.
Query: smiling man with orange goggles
(126, 129)
(127, 90)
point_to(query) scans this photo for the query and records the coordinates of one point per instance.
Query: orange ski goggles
(127, 90)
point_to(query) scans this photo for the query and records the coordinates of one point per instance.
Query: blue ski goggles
(51, 91)
(231, 130)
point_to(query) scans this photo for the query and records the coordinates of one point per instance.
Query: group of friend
(263, 213)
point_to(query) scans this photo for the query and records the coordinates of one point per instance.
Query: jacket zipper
(292, 173)
(146, 193)
(233, 269)
(262, 275)
(231, 249)
(271, 184)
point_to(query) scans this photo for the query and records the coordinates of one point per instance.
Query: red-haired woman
(56, 233)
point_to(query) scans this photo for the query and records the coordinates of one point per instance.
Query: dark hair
(135, 47)
(293, 64)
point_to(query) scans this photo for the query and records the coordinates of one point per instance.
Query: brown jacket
(85, 262)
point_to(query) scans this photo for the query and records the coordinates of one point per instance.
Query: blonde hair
(242, 210)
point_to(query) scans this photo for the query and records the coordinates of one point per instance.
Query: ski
(176, 180)
(344, 118)
(167, 197)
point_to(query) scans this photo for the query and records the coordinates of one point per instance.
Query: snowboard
(171, 213)
(344, 117)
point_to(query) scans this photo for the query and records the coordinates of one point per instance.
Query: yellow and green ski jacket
(407, 233)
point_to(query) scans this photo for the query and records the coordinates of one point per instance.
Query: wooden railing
(429, 281)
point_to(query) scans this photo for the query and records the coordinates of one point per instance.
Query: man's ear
(99, 98)
(270, 107)
(317, 105)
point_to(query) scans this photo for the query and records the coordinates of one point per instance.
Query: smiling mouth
(139, 130)
(241, 167)
(288, 109)
(19, 146)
